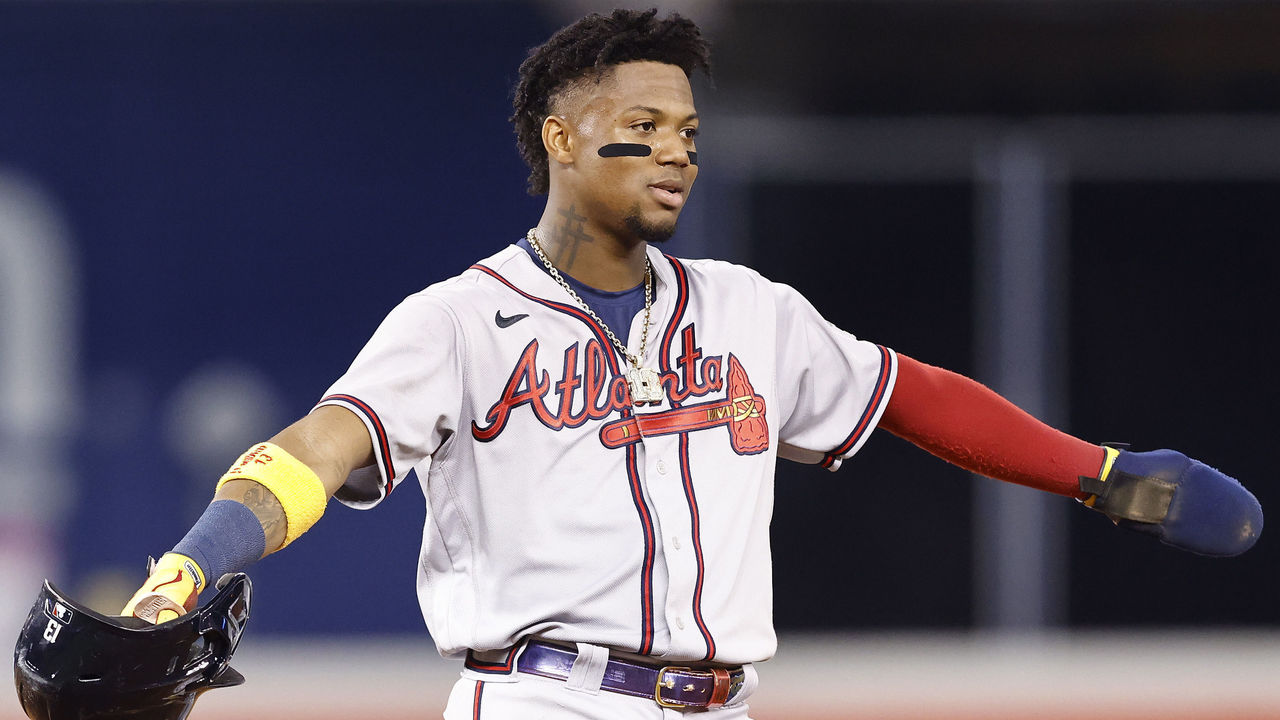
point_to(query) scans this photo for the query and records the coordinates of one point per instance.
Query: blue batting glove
(1181, 501)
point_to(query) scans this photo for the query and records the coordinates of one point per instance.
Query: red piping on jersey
(864, 422)
(633, 467)
(696, 528)
(475, 700)
(646, 574)
(384, 447)
(682, 302)
(966, 423)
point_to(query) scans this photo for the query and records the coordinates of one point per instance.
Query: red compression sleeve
(967, 424)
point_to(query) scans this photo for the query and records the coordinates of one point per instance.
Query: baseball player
(595, 424)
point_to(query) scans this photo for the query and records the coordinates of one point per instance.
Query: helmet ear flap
(227, 678)
(35, 705)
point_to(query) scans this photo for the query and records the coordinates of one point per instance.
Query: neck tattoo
(646, 388)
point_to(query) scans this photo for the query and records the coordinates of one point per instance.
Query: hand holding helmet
(68, 660)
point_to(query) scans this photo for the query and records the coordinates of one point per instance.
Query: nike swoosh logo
(504, 322)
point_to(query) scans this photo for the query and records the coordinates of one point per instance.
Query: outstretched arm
(1181, 501)
(273, 494)
(967, 424)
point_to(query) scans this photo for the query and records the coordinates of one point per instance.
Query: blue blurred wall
(254, 186)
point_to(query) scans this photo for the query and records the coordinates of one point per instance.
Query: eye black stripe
(625, 150)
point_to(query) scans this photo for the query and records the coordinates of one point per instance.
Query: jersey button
(680, 623)
(662, 468)
(675, 541)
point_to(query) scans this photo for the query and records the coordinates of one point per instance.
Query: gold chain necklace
(646, 388)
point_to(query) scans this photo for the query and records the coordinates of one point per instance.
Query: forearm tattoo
(268, 511)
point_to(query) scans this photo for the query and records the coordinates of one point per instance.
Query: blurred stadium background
(206, 207)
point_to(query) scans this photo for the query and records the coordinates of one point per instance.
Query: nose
(672, 150)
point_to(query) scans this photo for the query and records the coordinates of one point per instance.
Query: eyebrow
(656, 111)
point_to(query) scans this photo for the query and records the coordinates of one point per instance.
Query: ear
(557, 138)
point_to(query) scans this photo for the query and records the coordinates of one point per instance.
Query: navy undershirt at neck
(617, 309)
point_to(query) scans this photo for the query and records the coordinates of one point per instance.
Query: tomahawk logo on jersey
(555, 506)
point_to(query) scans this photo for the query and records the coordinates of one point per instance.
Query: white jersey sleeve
(406, 385)
(833, 387)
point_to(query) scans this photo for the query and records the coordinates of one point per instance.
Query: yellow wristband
(1111, 455)
(298, 489)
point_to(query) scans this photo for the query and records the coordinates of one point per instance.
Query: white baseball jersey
(556, 508)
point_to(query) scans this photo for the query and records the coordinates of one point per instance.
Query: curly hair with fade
(588, 48)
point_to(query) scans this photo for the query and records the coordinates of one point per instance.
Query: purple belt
(669, 685)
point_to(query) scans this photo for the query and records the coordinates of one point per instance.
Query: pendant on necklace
(646, 388)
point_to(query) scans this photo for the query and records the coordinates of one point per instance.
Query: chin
(650, 232)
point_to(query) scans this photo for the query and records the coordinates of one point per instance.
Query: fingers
(153, 607)
(170, 591)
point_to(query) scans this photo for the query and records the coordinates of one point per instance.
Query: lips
(668, 192)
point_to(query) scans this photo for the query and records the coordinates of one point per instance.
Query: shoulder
(710, 270)
(722, 276)
(732, 284)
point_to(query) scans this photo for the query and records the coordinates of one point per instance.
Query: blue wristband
(227, 538)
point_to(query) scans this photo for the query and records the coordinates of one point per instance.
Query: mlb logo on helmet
(58, 611)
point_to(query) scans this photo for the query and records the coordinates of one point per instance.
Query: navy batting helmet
(72, 663)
